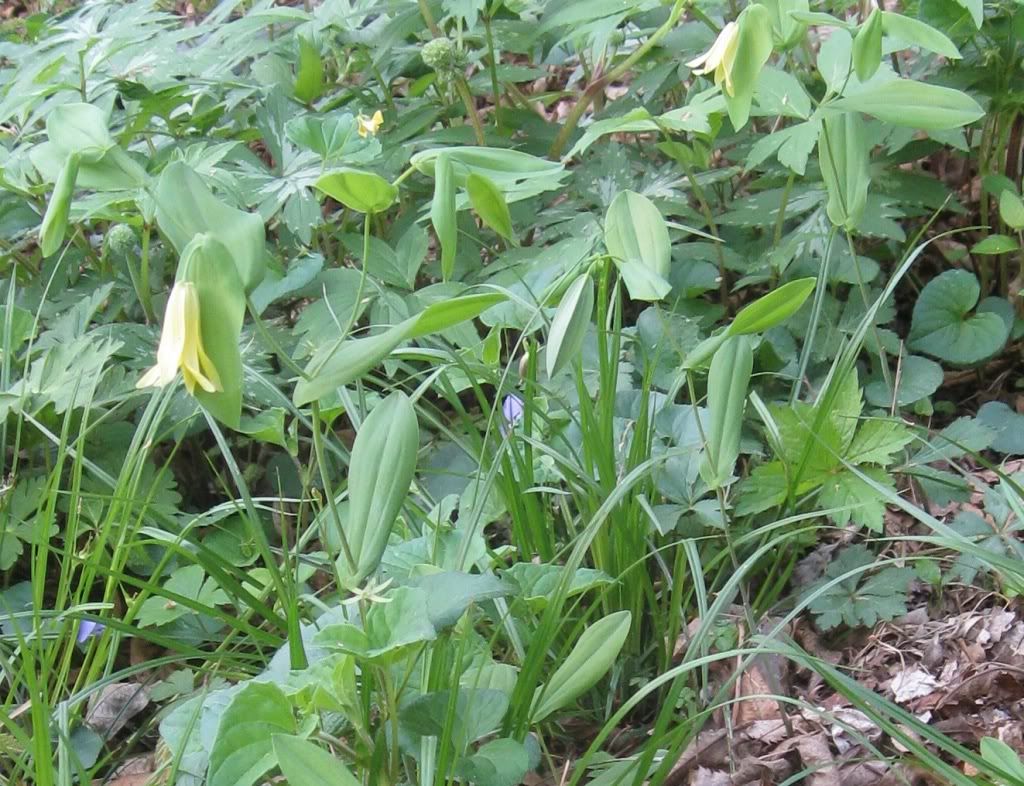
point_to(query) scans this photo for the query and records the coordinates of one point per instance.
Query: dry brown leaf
(817, 757)
(115, 704)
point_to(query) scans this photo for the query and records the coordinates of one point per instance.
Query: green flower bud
(120, 243)
(442, 55)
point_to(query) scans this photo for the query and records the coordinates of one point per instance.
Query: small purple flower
(512, 409)
(87, 629)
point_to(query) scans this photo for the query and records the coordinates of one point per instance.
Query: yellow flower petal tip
(719, 59)
(369, 126)
(181, 346)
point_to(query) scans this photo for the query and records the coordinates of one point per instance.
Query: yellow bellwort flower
(369, 126)
(720, 57)
(181, 345)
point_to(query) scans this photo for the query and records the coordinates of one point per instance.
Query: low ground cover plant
(511, 392)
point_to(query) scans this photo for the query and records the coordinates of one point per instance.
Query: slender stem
(429, 18)
(493, 67)
(321, 464)
(812, 328)
(709, 217)
(597, 86)
(780, 220)
(145, 292)
(462, 88)
(272, 342)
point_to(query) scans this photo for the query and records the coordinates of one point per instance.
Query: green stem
(493, 67)
(272, 342)
(318, 451)
(597, 86)
(462, 88)
(709, 217)
(145, 292)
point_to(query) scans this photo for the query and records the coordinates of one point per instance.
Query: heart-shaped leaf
(944, 327)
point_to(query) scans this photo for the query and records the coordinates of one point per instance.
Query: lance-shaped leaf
(905, 102)
(867, 47)
(381, 470)
(591, 657)
(843, 152)
(728, 381)
(489, 203)
(636, 237)
(207, 264)
(569, 326)
(442, 213)
(340, 363)
(55, 222)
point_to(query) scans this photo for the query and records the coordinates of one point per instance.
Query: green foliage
(495, 436)
(858, 599)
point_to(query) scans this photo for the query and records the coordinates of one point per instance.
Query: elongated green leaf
(569, 326)
(914, 31)
(753, 49)
(489, 203)
(348, 362)
(727, 395)
(365, 192)
(207, 264)
(243, 751)
(55, 222)
(337, 365)
(309, 78)
(448, 313)
(442, 213)
(591, 657)
(381, 470)
(187, 207)
(843, 154)
(637, 239)
(904, 102)
(867, 47)
(772, 309)
(306, 764)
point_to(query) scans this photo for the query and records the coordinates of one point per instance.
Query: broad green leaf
(79, 128)
(636, 237)
(1011, 210)
(853, 500)
(867, 47)
(309, 77)
(333, 137)
(772, 309)
(976, 8)
(242, 751)
(728, 381)
(857, 600)
(442, 213)
(877, 441)
(186, 207)
(843, 155)
(904, 102)
(996, 244)
(538, 582)
(753, 48)
(364, 192)
(570, 323)
(450, 592)
(919, 378)
(501, 762)
(477, 713)
(944, 327)
(304, 764)
(914, 31)
(1000, 755)
(592, 656)
(489, 203)
(391, 628)
(55, 221)
(380, 473)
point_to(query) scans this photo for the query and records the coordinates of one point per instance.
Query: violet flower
(512, 409)
(87, 629)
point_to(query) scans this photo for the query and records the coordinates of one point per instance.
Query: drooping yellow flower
(369, 126)
(720, 57)
(181, 345)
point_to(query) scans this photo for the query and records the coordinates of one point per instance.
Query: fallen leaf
(912, 683)
(115, 704)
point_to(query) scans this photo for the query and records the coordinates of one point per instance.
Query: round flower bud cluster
(443, 55)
